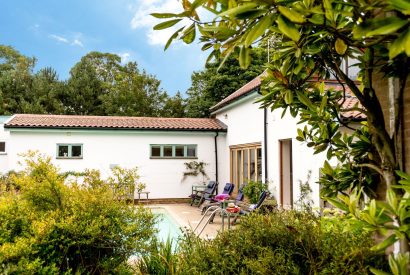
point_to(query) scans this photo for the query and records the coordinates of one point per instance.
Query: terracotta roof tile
(115, 122)
(244, 90)
(249, 87)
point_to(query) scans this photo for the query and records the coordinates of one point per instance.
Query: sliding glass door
(246, 163)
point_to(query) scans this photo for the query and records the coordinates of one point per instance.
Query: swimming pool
(166, 225)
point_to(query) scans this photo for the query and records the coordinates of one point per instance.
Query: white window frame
(185, 156)
(70, 146)
(5, 147)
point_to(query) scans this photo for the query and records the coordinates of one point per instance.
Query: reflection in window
(69, 150)
(246, 163)
(173, 151)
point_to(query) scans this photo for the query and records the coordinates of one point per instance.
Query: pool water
(166, 225)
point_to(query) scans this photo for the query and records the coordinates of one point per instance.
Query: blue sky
(59, 33)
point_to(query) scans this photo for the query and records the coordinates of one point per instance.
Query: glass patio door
(246, 164)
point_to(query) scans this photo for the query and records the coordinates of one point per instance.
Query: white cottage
(261, 145)
(241, 142)
(159, 147)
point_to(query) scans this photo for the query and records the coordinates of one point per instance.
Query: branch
(371, 166)
(346, 79)
(354, 109)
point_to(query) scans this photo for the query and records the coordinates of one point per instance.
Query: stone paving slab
(189, 216)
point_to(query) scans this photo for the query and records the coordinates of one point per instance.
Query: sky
(59, 32)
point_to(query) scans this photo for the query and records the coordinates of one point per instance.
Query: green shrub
(53, 227)
(281, 243)
(253, 189)
(160, 260)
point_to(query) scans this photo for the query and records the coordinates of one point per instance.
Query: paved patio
(189, 216)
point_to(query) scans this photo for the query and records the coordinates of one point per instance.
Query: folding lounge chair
(239, 198)
(228, 189)
(199, 196)
(251, 207)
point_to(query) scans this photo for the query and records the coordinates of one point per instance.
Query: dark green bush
(253, 189)
(51, 227)
(281, 243)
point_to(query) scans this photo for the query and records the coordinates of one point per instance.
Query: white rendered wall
(245, 125)
(125, 148)
(245, 121)
(302, 156)
(4, 137)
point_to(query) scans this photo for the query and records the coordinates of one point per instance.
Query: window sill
(3, 153)
(69, 157)
(173, 157)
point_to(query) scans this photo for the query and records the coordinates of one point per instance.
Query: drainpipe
(216, 159)
(265, 141)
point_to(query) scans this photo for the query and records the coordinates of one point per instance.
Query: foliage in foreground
(52, 227)
(279, 243)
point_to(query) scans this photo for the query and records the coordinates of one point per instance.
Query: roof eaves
(221, 129)
(220, 105)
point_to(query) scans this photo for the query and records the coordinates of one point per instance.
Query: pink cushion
(221, 197)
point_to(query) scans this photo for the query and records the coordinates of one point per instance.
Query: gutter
(265, 141)
(114, 128)
(216, 158)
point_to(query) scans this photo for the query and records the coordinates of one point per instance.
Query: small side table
(196, 188)
(142, 192)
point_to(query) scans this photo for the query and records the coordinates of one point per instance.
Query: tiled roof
(115, 122)
(251, 86)
(349, 102)
(244, 90)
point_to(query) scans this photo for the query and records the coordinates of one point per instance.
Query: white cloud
(124, 57)
(59, 38)
(75, 41)
(143, 20)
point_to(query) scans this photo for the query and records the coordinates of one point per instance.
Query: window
(70, 151)
(246, 163)
(173, 151)
(2, 147)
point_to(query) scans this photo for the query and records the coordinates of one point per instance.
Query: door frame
(281, 166)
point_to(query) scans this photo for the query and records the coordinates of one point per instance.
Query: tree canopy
(213, 84)
(99, 84)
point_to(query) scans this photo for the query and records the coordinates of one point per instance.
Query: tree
(213, 84)
(15, 79)
(46, 89)
(133, 93)
(315, 37)
(100, 85)
(174, 106)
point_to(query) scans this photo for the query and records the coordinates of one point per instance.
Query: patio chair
(228, 189)
(246, 210)
(200, 195)
(225, 193)
(239, 198)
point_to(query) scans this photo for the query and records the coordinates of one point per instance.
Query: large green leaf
(189, 34)
(305, 100)
(398, 45)
(258, 30)
(288, 28)
(384, 244)
(291, 14)
(164, 15)
(166, 24)
(340, 46)
(175, 35)
(244, 57)
(239, 9)
(402, 5)
(338, 204)
(379, 26)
